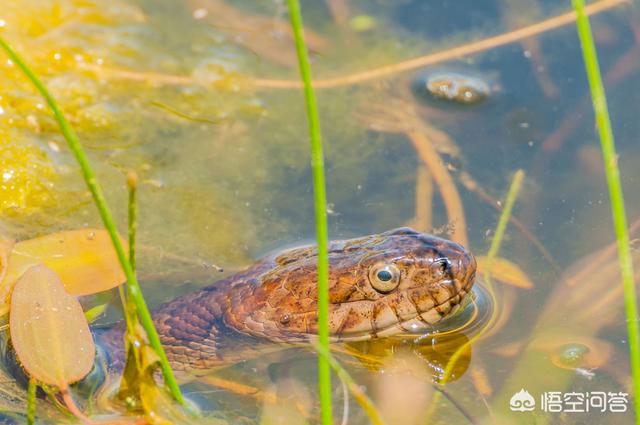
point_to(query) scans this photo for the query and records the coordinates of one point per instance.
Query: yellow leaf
(48, 329)
(505, 271)
(84, 259)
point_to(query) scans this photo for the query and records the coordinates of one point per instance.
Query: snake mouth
(419, 320)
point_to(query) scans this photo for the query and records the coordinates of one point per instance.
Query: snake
(379, 285)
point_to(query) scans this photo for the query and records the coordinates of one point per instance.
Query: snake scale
(379, 285)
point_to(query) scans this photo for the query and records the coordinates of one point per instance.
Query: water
(167, 88)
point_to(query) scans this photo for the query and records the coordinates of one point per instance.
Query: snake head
(405, 281)
(379, 285)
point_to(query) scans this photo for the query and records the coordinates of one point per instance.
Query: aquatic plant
(492, 254)
(361, 397)
(320, 204)
(616, 196)
(98, 197)
(31, 401)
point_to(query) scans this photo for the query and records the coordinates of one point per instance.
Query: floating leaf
(84, 259)
(48, 329)
(505, 271)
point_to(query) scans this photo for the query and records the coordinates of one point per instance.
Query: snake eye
(384, 277)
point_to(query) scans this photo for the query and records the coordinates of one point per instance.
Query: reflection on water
(225, 176)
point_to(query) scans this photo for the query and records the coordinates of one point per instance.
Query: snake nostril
(442, 266)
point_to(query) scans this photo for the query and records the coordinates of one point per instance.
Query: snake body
(379, 285)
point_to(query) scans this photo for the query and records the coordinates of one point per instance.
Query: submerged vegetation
(133, 288)
(320, 204)
(618, 213)
(208, 115)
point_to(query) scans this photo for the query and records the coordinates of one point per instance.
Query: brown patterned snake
(379, 285)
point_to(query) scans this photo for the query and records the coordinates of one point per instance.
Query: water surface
(168, 88)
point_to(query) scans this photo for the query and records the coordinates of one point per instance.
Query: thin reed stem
(128, 304)
(494, 248)
(31, 401)
(616, 197)
(360, 396)
(132, 185)
(496, 242)
(445, 55)
(320, 203)
(98, 197)
(376, 73)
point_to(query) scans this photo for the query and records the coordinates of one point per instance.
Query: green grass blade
(98, 197)
(31, 401)
(320, 202)
(129, 309)
(496, 242)
(615, 192)
(494, 248)
(361, 397)
(132, 185)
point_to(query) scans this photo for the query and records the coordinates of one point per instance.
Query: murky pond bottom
(201, 99)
